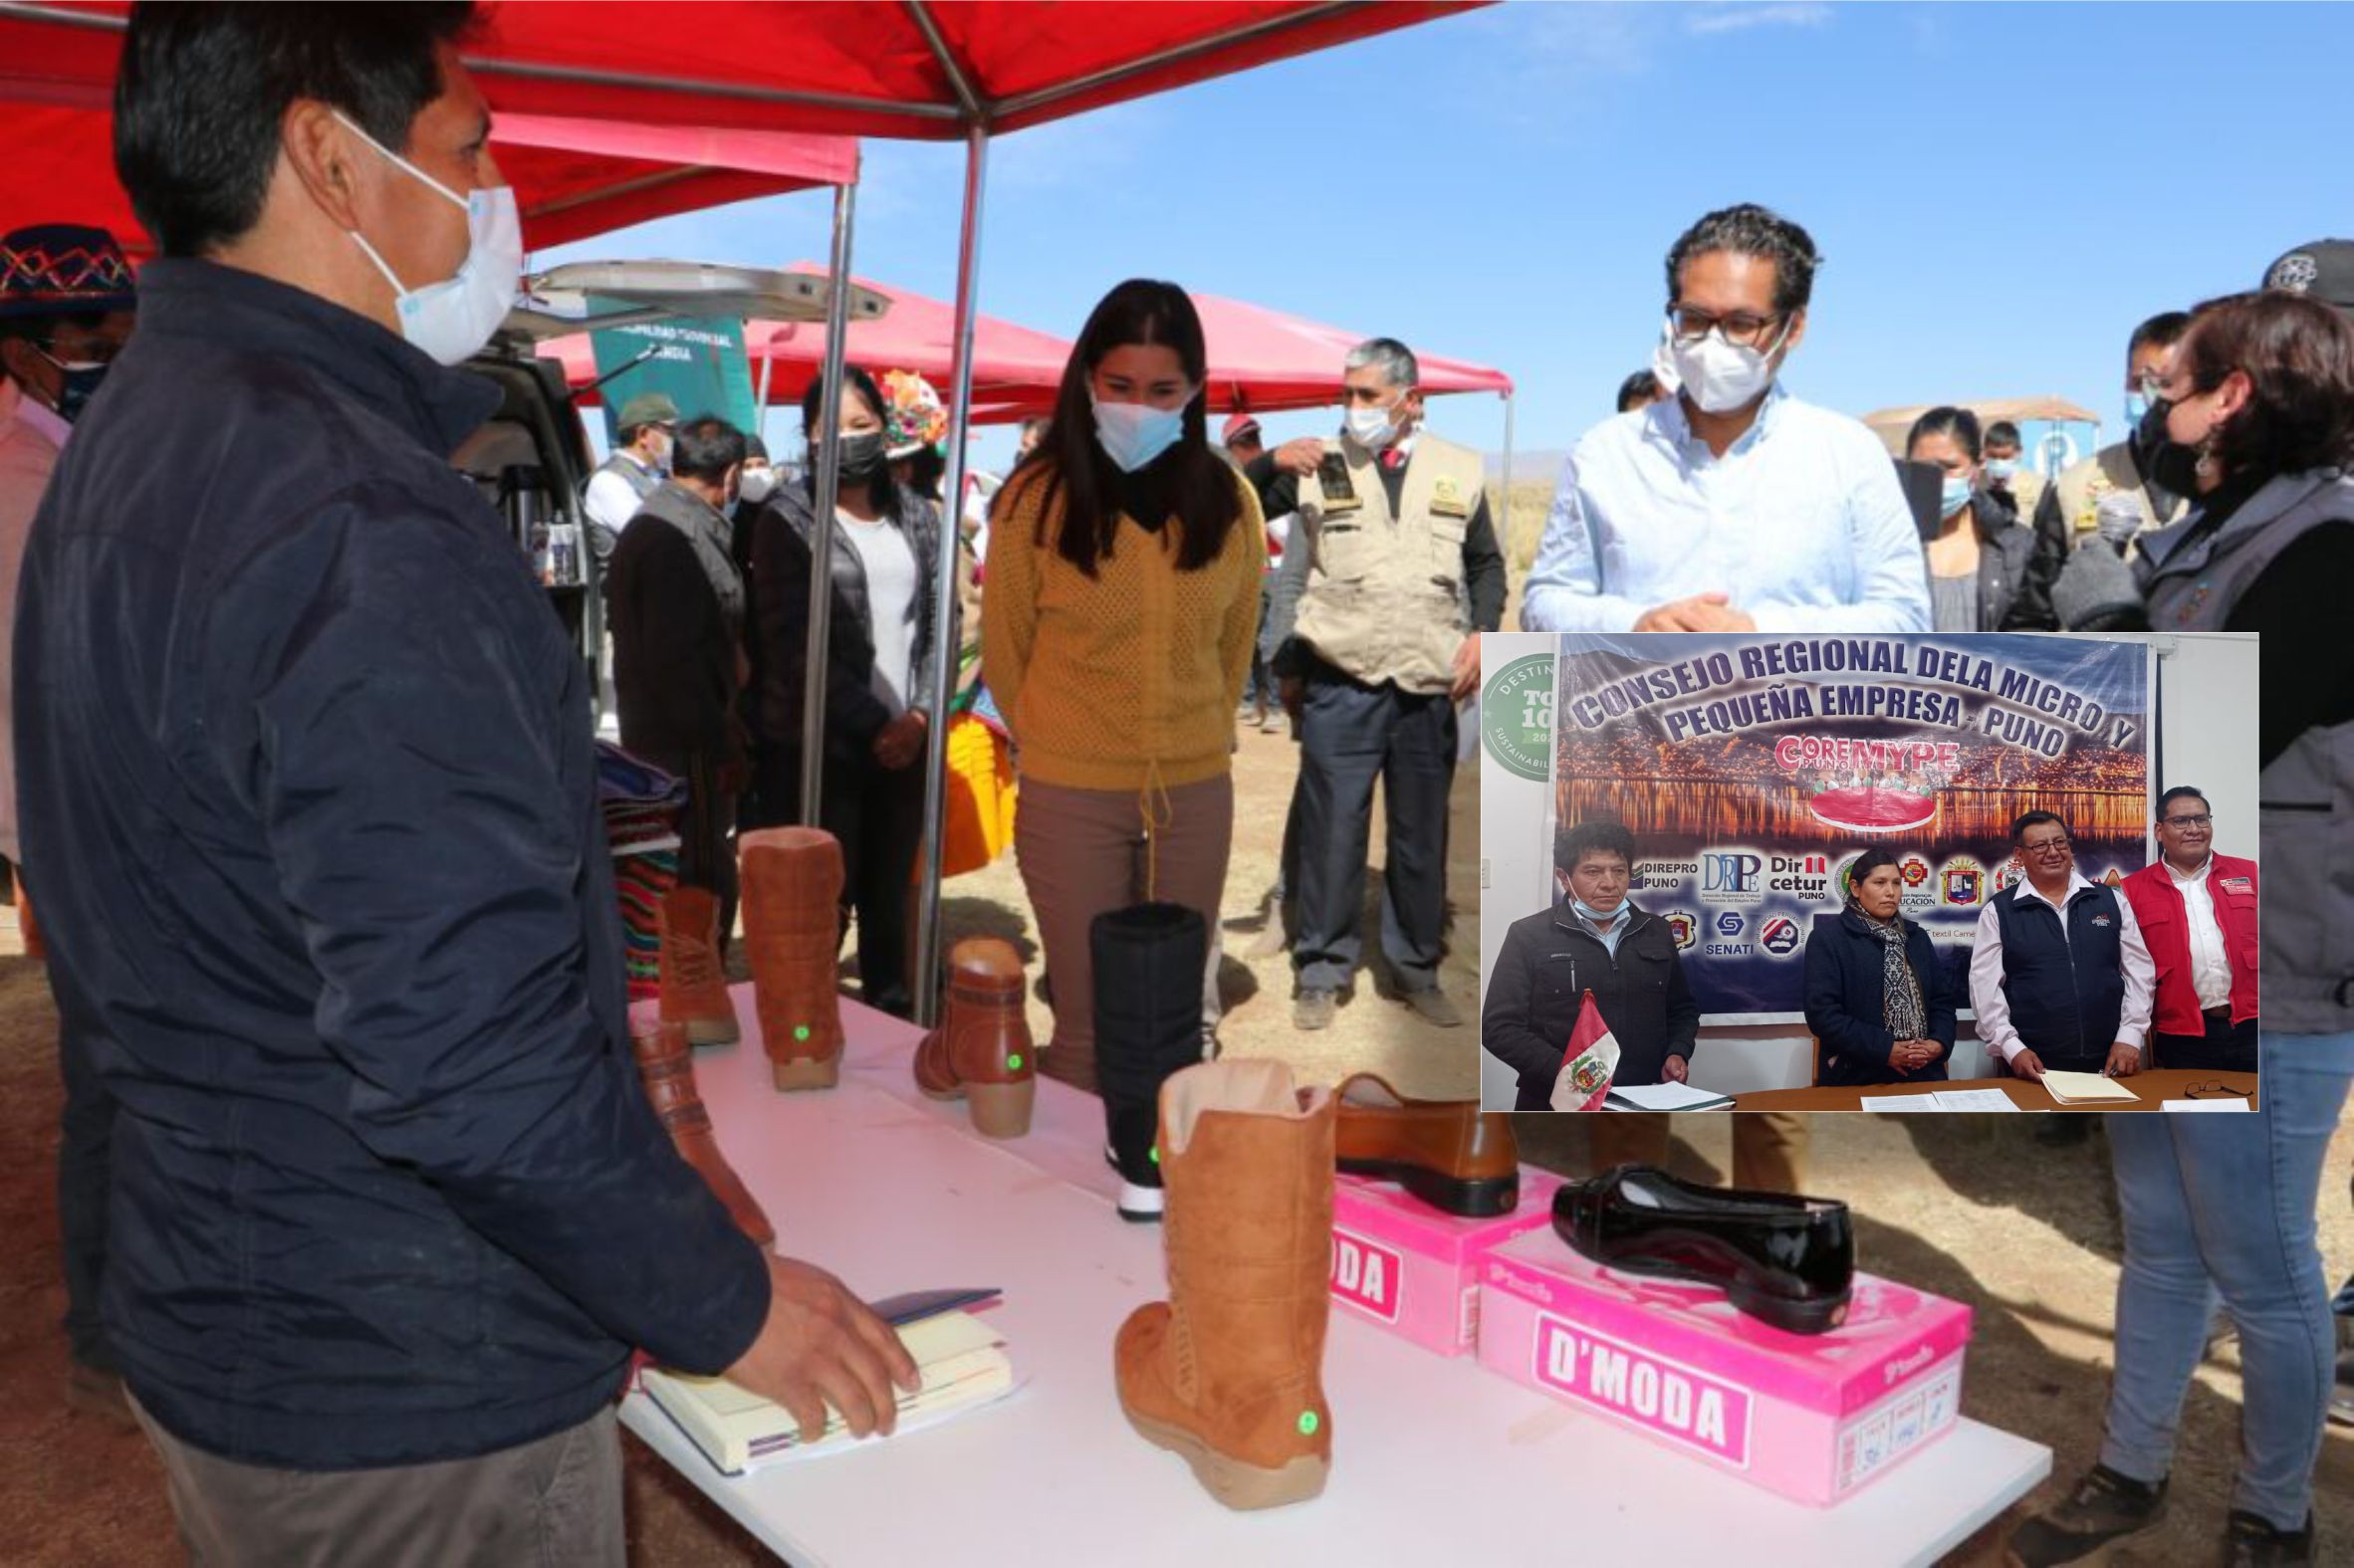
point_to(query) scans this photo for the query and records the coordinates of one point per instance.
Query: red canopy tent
(916, 70)
(1015, 369)
(572, 177)
(1264, 360)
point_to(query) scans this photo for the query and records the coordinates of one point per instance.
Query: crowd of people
(305, 801)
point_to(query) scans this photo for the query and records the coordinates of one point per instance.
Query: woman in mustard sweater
(1122, 606)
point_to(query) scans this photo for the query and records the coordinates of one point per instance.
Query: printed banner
(700, 363)
(1754, 770)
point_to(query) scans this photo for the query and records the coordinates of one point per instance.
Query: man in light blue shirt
(1733, 506)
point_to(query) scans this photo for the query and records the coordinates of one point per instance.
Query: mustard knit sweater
(1129, 677)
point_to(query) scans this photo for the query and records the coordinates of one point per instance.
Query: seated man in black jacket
(1595, 940)
(309, 787)
(674, 602)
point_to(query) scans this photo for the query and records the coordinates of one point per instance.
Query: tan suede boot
(1228, 1373)
(694, 989)
(793, 925)
(666, 1066)
(982, 1050)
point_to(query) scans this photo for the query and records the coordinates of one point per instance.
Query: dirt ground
(1967, 1207)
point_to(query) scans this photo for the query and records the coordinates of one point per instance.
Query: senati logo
(1679, 1403)
(1728, 924)
(1367, 1275)
(1904, 1367)
(1780, 936)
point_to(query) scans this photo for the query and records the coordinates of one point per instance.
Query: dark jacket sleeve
(1828, 1013)
(2031, 607)
(409, 784)
(781, 566)
(1937, 995)
(1507, 1030)
(1682, 1008)
(684, 649)
(1483, 569)
(1278, 491)
(2299, 602)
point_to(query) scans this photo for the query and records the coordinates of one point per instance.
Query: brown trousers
(1083, 853)
(1768, 1147)
(556, 1500)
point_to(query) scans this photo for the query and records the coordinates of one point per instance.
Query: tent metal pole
(1287, 22)
(828, 490)
(944, 605)
(1504, 521)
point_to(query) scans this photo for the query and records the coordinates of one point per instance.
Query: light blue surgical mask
(1133, 434)
(2137, 408)
(1600, 916)
(1999, 469)
(1954, 496)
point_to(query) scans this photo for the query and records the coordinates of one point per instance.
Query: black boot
(1149, 960)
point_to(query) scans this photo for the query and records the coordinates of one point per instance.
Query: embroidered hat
(2324, 270)
(913, 415)
(63, 269)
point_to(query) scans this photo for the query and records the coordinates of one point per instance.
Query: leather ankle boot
(666, 1066)
(694, 987)
(981, 1052)
(793, 924)
(1148, 1023)
(1448, 1153)
(1228, 1373)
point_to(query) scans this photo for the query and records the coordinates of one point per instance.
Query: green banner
(699, 361)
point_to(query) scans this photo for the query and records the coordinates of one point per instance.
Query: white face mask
(1720, 376)
(1370, 428)
(758, 485)
(452, 320)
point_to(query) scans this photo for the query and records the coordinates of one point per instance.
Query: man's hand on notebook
(824, 1346)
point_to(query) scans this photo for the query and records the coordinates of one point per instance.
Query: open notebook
(2086, 1088)
(963, 1360)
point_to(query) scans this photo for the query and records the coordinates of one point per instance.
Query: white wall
(2207, 685)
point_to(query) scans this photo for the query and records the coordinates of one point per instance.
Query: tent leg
(944, 604)
(1504, 514)
(838, 320)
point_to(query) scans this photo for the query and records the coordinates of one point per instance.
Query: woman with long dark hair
(1121, 604)
(1878, 999)
(1978, 559)
(881, 638)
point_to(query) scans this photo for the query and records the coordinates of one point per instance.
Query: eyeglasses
(2214, 1090)
(87, 351)
(2044, 846)
(2201, 820)
(1740, 328)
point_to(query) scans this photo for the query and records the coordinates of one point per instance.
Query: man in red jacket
(2198, 912)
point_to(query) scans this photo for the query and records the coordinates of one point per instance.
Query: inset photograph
(1894, 874)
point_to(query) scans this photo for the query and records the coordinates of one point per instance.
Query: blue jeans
(2225, 1205)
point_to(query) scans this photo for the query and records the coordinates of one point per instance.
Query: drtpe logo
(1729, 872)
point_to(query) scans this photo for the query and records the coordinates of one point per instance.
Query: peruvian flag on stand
(1588, 1062)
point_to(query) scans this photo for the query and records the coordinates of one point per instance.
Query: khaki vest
(2108, 472)
(1385, 598)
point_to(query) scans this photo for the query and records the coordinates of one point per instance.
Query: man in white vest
(617, 491)
(1395, 572)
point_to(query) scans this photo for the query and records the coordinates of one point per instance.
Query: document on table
(1972, 1100)
(2203, 1105)
(1899, 1102)
(1664, 1097)
(2085, 1088)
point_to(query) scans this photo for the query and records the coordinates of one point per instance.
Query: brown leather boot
(1448, 1153)
(694, 987)
(793, 925)
(1228, 1373)
(982, 1050)
(666, 1066)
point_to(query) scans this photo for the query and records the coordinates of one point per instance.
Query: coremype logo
(1516, 716)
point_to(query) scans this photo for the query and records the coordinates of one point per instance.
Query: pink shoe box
(1415, 1270)
(1812, 1417)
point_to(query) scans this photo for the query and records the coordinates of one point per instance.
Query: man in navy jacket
(307, 772)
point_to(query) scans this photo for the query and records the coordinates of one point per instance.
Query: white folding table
(1434, 1460)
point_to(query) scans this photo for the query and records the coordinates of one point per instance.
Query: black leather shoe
(1785, 1261)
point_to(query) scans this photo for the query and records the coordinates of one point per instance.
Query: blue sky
(2000, 191)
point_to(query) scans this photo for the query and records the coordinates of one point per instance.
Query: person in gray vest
(1394, 571)
(2257, 408)
(2059, 976)
(622, 482)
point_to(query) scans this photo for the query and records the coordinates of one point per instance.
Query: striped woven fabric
(642, 881)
